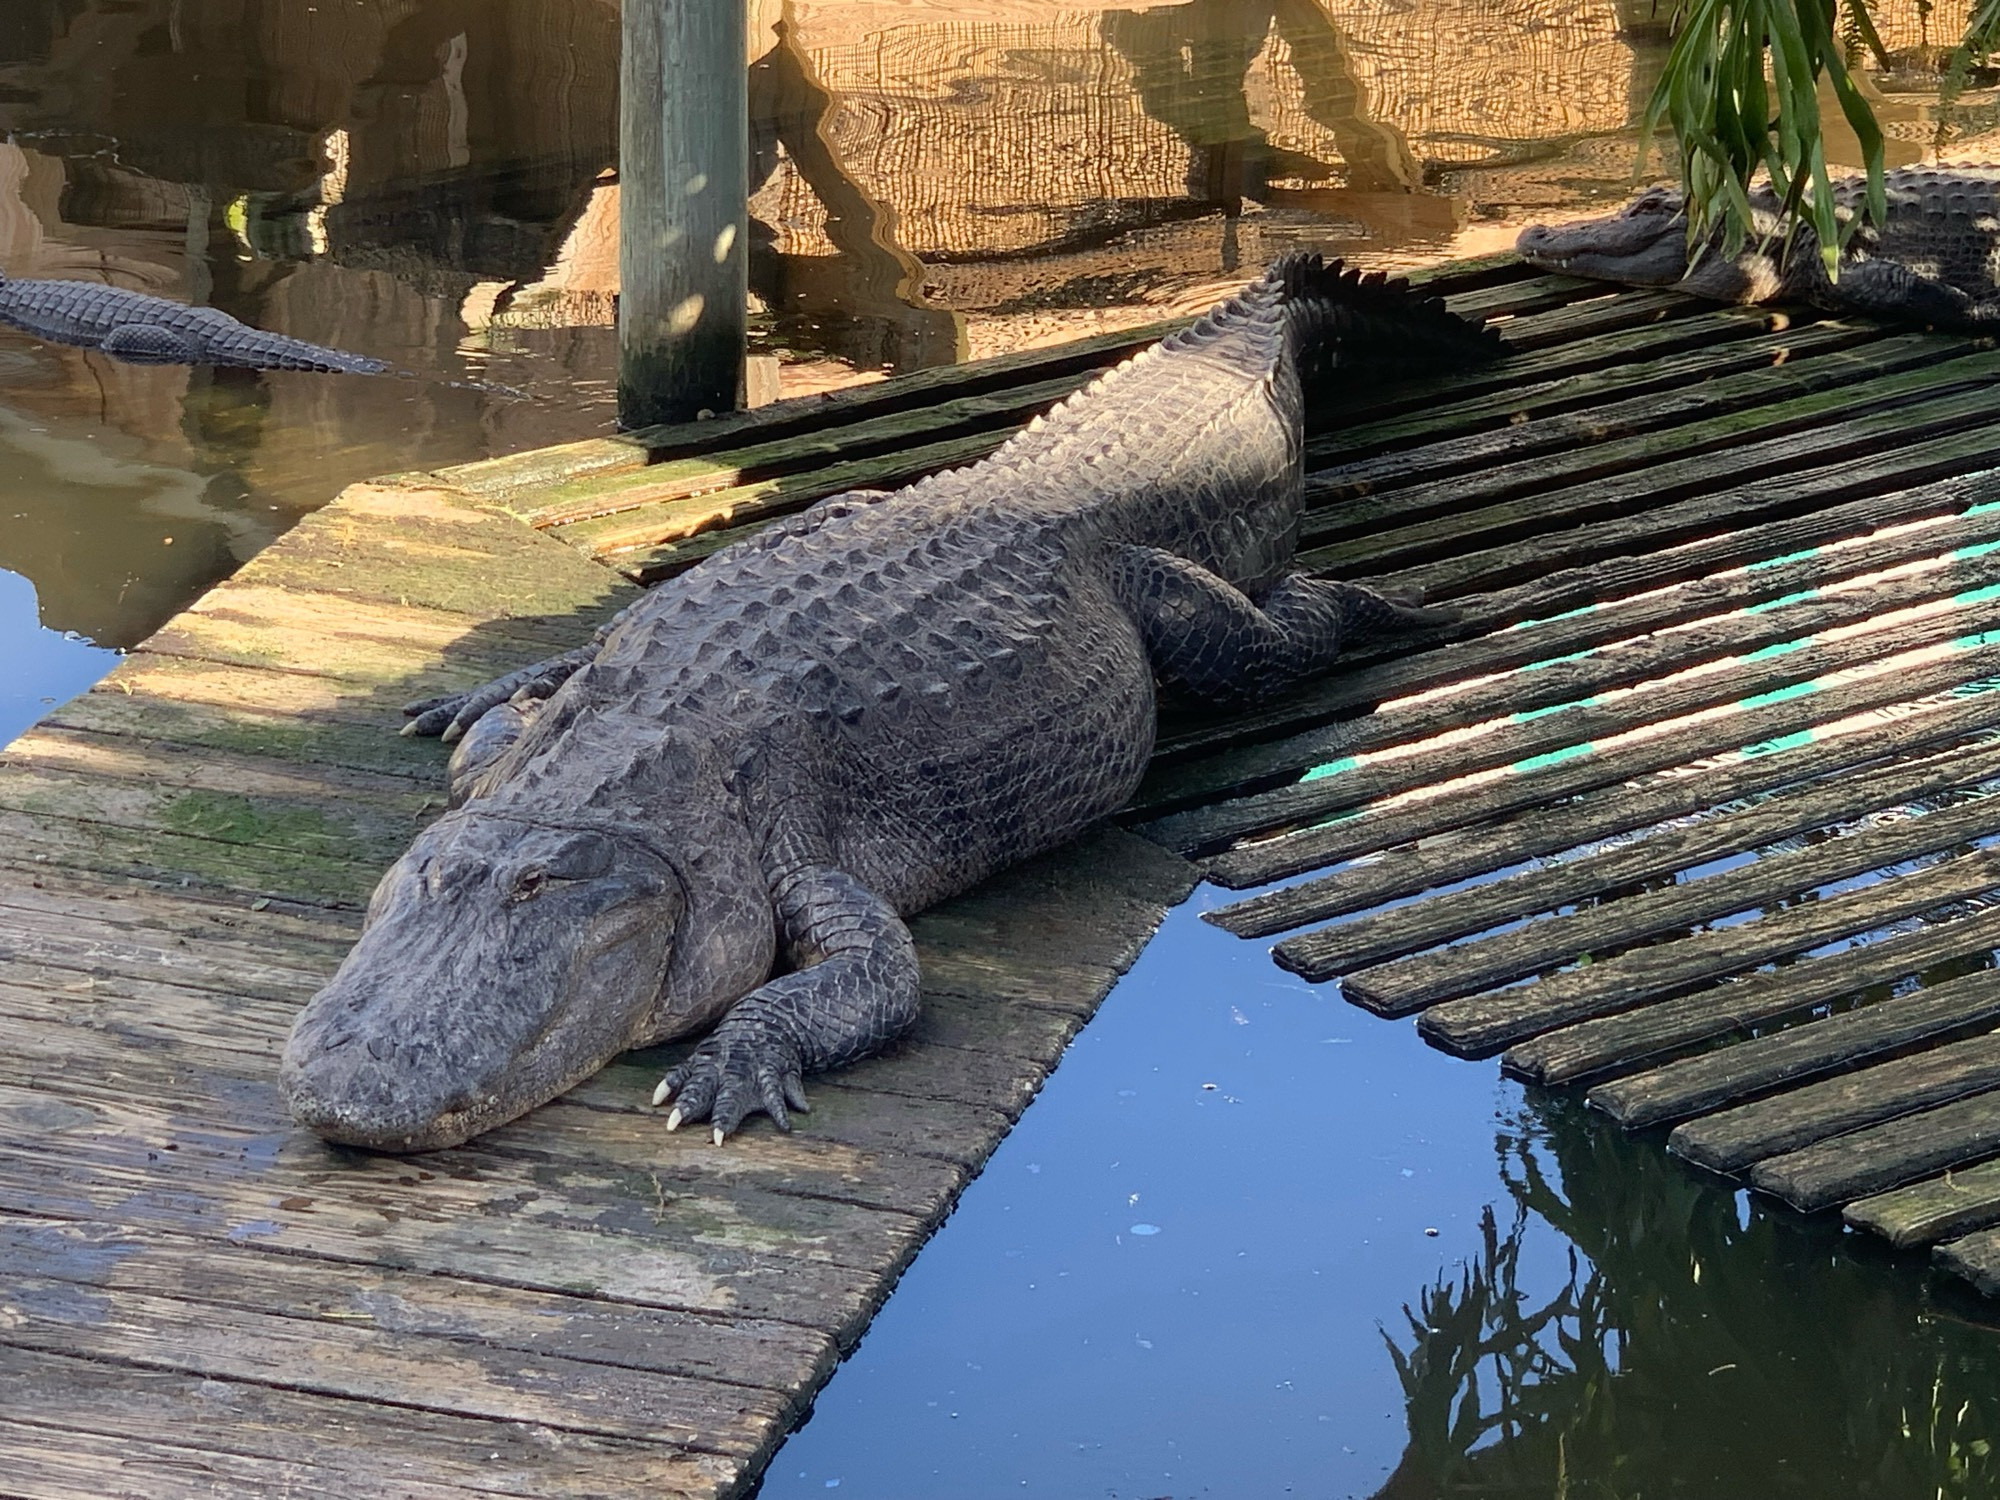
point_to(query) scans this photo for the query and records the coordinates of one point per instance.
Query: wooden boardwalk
(1727, 586)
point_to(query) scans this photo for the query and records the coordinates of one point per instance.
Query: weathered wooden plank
(1699, 1085)
(1781, 1128)
(1660, 360)
(1598, 815)
(1516, 628)
(1484, 1024)
(1654, 1030)
(1410, 984)
(1612, 584)
(604, 1230)
(254, 871)
(1465, 400)
(360, 1361)
(1863, 1162)
(1409, 929)
(1939, 1208)
(1976, 1257)
(420, 546)
(1958, 445)
(1713, 666)
(993, 416)
(1592, 482)
(363, 742)
(39, 1463)
(105, 783)
(1703, 411)
(331, 635)
(641, 529)
(334, 1448)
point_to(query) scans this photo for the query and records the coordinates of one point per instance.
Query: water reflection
(1701, 1345)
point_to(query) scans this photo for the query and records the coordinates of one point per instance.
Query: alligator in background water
(145, 330)
(766, 762)
(1932, 261)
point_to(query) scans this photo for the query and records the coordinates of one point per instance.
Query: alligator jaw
(1643, 244)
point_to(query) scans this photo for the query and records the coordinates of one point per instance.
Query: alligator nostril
(380, 1047)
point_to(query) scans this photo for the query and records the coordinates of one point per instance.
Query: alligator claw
(742, 1069)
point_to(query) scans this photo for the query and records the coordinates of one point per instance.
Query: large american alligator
(1932, 261)
(764, 763)
(144, 330)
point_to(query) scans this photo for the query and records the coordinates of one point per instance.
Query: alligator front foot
(748, 1063)
(452, 714)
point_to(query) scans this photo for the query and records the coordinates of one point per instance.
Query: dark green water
(1158, 1288)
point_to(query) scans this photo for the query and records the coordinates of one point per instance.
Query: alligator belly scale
(715, 816)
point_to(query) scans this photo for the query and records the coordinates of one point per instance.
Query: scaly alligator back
(862, 710)
(142, 329)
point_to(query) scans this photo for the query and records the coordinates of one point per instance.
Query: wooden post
(683, 175)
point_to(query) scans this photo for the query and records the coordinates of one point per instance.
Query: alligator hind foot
(1212, 640)
(852, 991)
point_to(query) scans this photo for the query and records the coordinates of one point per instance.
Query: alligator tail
(1340, 321)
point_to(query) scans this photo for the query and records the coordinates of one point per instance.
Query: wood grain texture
(1623, 1042)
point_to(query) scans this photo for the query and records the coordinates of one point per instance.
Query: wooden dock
(1729, 588)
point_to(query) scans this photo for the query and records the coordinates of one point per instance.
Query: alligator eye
(529, 884)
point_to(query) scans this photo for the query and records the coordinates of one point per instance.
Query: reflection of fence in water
(989, 138)
(1460, 79)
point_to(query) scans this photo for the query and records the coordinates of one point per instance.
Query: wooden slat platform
(1727, 587)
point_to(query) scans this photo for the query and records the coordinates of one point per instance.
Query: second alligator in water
(766, 762)
(146, 330)
(1934, 261)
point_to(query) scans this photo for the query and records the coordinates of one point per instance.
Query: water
(1157, 1288)
(1162, 1289)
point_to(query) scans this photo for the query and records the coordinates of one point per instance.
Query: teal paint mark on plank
(1782, 648)
(1536, 666)
(1550, 758)
(1780, 561)
(1529, 715)
(1568, 614)
(1330, 768)
(1779, 695)
(1781, 601)
(1782, 742)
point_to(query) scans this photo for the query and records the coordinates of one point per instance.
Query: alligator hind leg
(1209, 638)
(151, 344)
(852, 990)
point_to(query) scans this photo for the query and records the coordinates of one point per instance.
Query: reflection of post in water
(1694, 1349)
(1189, 63)
(865, 303)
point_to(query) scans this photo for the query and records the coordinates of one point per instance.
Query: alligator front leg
(450, 715)
(853, 989)
(1209, 638)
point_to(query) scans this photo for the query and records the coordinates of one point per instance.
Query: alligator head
(505, 959)
(1645, 244)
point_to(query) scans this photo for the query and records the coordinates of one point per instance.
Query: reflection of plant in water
(1692, 1350)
